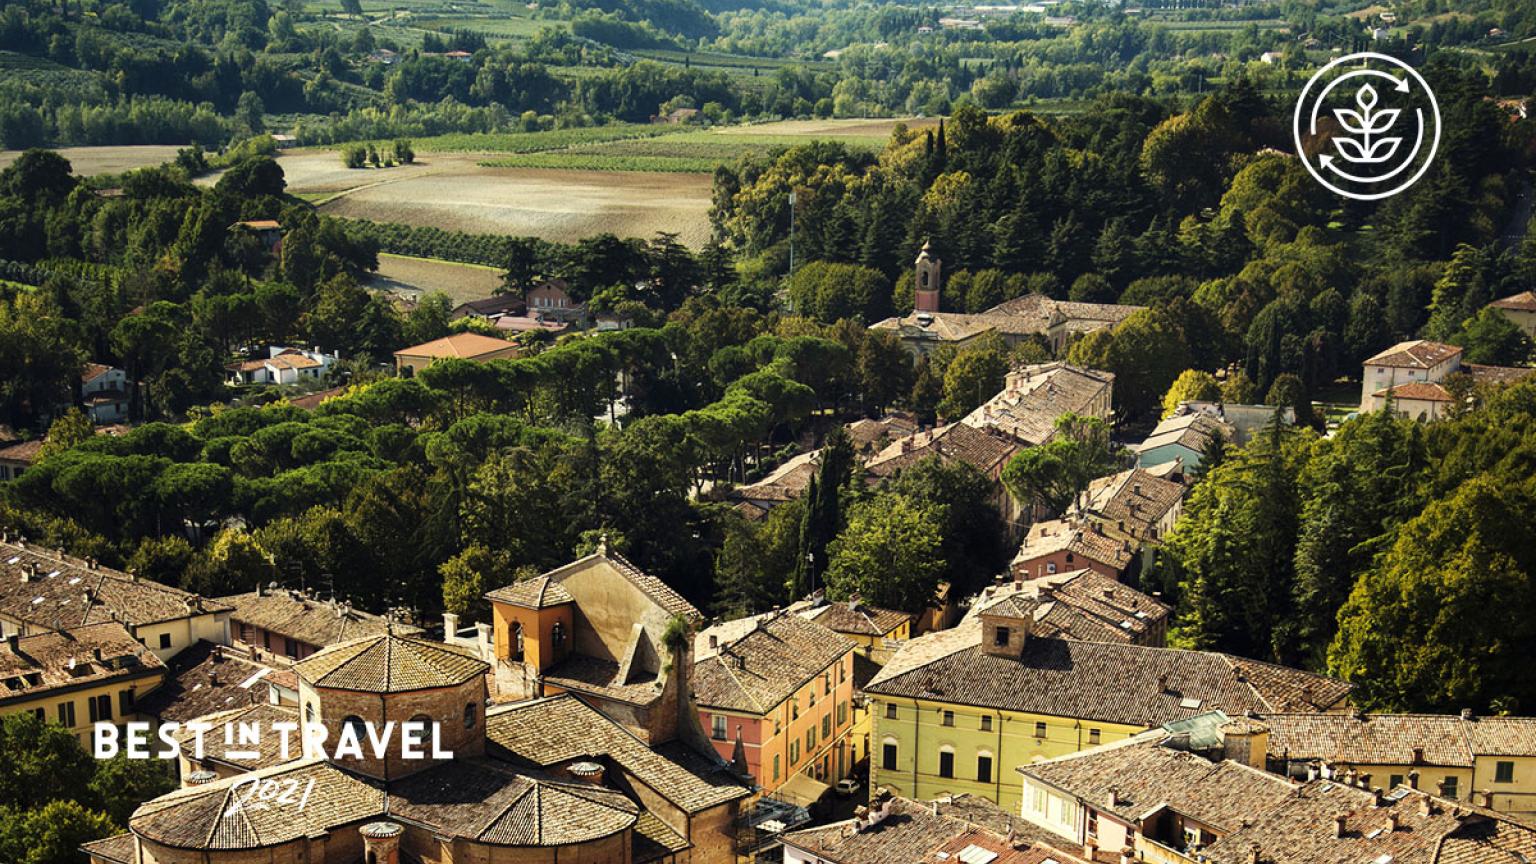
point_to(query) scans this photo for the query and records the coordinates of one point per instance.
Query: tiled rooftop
(204, 678)
(1414, 354)
(321, 623)
(1084, 605)
(548, 732)
(48, 589)
(535, 593)
(390, 664)
(1445, 740)
(33, 666)
(981, 449)
(856, 618)
(1061, 535)
(759, 670)
(1130, 684)
(1034, 397)
(1136, 499)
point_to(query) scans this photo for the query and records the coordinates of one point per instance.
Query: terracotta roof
(1035, 396)
(117, 849)
(205, 816)
(1063, 535)
(758, 671)
(536, 593)
(292, 361)
(390, 664)
(599, 677)
(857, 618)
(204, 678)
(47, 589)
(1084, 605)
(266, 752)
(914, 831)
(1422, 391)
(310, 401)
(1068, 312)
(1130, 684)
(1525, 301)
(784, 483)
(560, 729)
(1146, 776)
(88, 655)
(1415, 354)
(490, 802)
(92, 371)
(23, 451)
(942, 326)
(261, 224)
(1483, 374)
(1136, 500)
(320, 623)
(466, 344)
(654, 840)
(869, 433)
(1194, 431)
(1391, 739)
(981, 449)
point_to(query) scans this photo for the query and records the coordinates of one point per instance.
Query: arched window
(356, 724)
(309, 713)
(517, 639)
(946, 761)
(426, 724)
(557, 636)
(469, 716)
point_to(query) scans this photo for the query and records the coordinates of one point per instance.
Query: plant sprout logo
(1381, 140)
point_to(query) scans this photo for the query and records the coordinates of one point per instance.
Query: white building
(284, 366)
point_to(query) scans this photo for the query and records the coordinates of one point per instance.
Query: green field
(687, 151)
(538, 142)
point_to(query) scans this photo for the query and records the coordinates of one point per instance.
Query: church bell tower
(927, 285)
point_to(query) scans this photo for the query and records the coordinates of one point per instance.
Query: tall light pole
(791, 231)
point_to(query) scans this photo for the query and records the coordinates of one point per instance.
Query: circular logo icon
(1367, 126)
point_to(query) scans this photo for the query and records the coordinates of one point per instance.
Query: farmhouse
(467, 346)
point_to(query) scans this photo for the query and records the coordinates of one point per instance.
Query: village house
(1489, 761)
(104, 393)
(282, 366)
(551, 300)
(1194, 792)
(874, 632)
(268, 231)
(77, 676)
(985, 449)
(1520, 309)
(281, 625)
(959, 828)
(542, 780)
(601, 628)
(1033, 397)
(1184, 439)
(43, 590)
(775, 693)
(1059, 545)
(490, 308)
(1083, 605)
(466, 346)
(1136, 506)
(957, 708)
(1416, 375)
(17, 456)
(207, 678)
(1033, 317)
(785, 483)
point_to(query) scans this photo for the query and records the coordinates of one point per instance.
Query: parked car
(848, 787)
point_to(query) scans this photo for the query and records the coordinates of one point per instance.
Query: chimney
(96, 653)
(1413, 779)
(1392, 821)
(1418, 756)
(1340, 822)
(1162, 683)
(1466, 714)
(13, 643)
(381, 842)
(1112, 797)
(1253, 853)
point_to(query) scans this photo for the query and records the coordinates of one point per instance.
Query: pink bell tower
(926, 295)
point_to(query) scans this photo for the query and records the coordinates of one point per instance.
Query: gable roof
(856, 618)
(1064, 535)
(1415, 354)
(59, 660)
(759, 670)
(466, 344)
(46, 588)
(390, 664)
(982, 449)
(1034, 396)
(1083, 604)
(92, 371)
(1130, 684)
(1142, 776)
(1136, 500)
(321, 623)
(537, 593)
(1193, 431)
(658, 591)
(1525, 301)
(204, 678)
(265, 752)
(558, 729)
(1395, 739)
(914, 831)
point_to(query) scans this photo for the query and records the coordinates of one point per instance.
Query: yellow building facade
(78, 677)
